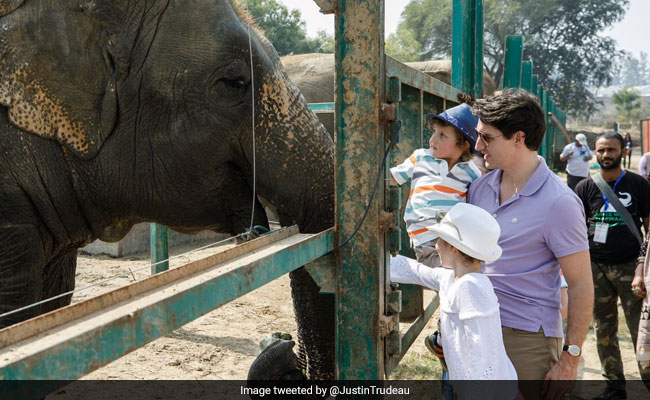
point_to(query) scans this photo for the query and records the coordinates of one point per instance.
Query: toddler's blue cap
(461, 118)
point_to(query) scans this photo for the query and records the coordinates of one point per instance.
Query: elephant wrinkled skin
(117, 112)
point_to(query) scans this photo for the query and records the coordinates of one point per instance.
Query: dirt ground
(223, 343)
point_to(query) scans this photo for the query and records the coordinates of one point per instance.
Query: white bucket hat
(581, 138)
(471, 230)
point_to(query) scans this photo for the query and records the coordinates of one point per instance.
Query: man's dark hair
(612, 135)
(513, 110)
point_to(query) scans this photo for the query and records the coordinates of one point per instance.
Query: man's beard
(615, 165)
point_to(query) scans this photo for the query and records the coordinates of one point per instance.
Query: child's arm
(403, 172)
(407, 270)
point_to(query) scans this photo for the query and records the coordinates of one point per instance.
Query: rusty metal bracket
(387, 324)
(388, 112)
(394, 300)
(388, 221)
(326, 6)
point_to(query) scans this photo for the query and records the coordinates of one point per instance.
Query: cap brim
(445, 234)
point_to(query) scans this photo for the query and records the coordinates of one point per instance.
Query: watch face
(573, 350)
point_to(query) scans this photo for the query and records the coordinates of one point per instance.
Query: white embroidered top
(469, 322)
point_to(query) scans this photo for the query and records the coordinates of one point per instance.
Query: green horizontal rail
(419, 80)
(82, 353)
(322, 108)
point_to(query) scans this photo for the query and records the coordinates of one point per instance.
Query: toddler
(439, 175)
(469, 310)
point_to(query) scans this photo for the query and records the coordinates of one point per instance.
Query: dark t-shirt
(621, 246)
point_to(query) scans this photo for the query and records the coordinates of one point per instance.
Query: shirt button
(514, 220)
(494, 215)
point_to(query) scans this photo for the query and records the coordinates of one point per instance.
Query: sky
(632, 33)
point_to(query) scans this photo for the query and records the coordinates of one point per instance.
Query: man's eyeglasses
(487, 139)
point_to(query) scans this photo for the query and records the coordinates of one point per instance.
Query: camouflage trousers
(613, 281)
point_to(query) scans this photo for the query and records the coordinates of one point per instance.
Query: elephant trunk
(295, 162)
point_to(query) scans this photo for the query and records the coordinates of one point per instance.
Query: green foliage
(403, 46)
(285, 28)
(628, 104)
(560, 36)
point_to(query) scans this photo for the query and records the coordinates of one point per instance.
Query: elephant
(314, 76)
(116, 112)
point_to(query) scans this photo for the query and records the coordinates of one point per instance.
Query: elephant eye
(230, 92)
(235, 83)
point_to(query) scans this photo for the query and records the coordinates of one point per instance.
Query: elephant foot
(277, 361)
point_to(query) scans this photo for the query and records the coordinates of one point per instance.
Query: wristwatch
(572, 349)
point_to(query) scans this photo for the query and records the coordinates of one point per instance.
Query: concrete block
(137, 241)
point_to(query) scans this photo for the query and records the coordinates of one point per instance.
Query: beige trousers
(533, 355)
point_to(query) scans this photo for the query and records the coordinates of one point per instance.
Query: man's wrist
(569, 359)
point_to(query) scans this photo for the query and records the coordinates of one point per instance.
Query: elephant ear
(57, 77)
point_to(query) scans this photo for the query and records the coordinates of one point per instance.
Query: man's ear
(520, 137)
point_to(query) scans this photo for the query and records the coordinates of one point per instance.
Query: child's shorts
(427, 254)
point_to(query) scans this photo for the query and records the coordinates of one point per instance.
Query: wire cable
(250, 52)
(148, 266)
(374, 190)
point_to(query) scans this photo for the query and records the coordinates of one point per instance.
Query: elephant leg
(21, 263)
(316, 326)
(58, 277)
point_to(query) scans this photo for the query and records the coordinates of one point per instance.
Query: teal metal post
(467, 46)
(527, 75)
(544, 101)
(512, 67)
(534, 84)
(361, 263)
(159, 248)
(552, 137)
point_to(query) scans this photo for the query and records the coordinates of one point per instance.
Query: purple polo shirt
(541, 223)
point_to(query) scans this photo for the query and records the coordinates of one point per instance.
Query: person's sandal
(431, 342)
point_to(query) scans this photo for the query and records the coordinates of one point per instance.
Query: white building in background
(608, 92)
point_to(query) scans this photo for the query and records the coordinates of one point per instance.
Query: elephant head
(151, 102)
(121, 111)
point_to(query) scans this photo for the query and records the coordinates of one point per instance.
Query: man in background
(577, 156)
(614, 247)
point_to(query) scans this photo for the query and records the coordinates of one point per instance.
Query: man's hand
(586, 158)
(560, 380)
(638, 285)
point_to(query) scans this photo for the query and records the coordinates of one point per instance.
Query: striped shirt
(434, 189)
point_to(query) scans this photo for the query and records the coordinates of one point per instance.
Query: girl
(469, 311)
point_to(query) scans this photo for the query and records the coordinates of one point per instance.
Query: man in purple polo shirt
(542, 232)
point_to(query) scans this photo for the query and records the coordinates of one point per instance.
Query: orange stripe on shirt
(438, 188)
(415, 233)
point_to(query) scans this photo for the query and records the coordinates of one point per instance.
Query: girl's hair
(460, 139)
(467, 258)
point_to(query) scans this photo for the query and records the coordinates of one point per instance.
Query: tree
(628, 104)
(403, 46)
(284, 28)
(561, 36)
(633, 71)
